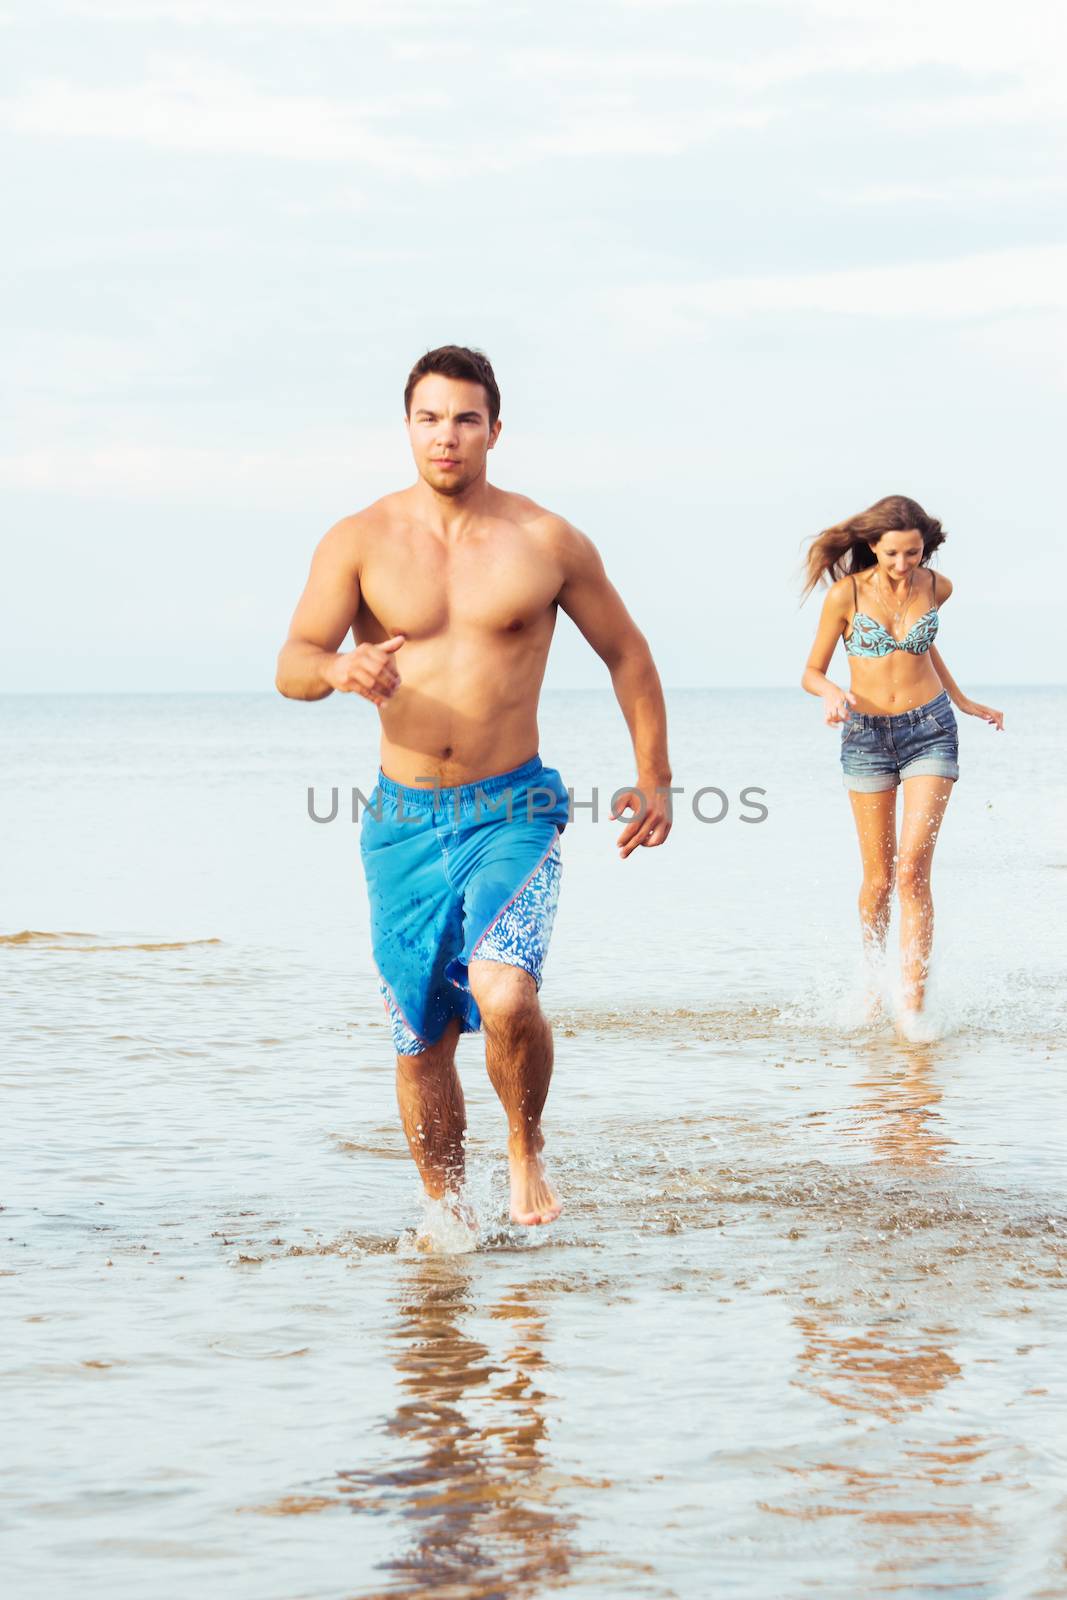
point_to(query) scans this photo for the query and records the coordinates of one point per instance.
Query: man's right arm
(310, 667)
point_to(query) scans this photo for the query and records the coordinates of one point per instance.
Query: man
(451, 589)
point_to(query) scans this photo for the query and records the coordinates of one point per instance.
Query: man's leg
(518, 1056)
(432, 1111)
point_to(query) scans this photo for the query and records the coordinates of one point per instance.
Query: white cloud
(971, 286)
(586, 100)
(199, 106)
(622, 130)
(1012, 57)
(262, 13)
(957, 189)
(975, 35)
(136, 470)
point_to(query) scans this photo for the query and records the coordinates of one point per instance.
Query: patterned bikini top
(870, 638)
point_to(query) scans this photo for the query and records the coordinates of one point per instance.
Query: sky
(741, 269)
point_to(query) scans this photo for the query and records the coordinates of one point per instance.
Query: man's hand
(368, 670)
(652, 822)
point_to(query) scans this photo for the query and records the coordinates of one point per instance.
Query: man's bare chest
(502, 587)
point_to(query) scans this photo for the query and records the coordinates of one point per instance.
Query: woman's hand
(836, 703)
(971, 708)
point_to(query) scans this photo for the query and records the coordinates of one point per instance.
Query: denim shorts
(877, 752)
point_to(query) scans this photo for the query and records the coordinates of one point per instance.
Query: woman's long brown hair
(846, 547)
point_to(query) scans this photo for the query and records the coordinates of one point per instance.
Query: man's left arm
(596, 608)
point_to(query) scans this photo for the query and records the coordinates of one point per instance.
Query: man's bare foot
(533, 1199)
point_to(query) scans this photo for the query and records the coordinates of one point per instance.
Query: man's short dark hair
(456, 361)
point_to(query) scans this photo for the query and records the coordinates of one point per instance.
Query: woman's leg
(925, 799)
(876, 827)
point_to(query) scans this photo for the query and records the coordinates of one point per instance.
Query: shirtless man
(451, 589)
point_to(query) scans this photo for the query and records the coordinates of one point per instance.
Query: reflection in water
(891, 1374)
(870, 1370)
(893, 1369)
(472, 1490)
(878, 1375)
(890, 1371)
(898, 1118)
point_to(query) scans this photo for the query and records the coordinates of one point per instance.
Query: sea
(801, 1328)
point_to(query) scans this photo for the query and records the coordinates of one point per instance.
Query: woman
(898, 726)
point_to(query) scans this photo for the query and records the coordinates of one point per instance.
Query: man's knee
(505, 995)
(433, 1057)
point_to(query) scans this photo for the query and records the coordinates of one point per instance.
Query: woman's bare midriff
(885, 686)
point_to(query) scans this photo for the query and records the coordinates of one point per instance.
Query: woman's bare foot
(533, 1199)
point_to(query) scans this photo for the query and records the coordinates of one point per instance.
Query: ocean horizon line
(546, 693)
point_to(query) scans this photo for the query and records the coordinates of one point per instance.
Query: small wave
(247, 1351)
(387, 1148)
(62, 941)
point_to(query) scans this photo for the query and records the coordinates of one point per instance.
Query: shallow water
(800, 1329)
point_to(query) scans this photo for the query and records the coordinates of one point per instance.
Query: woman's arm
(970, 708)
(835, 701)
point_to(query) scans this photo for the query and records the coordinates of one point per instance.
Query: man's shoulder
(535, 519)
(379, 517)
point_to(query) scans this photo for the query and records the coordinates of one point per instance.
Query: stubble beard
(451, 486)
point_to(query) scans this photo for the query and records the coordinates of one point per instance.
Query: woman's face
(898, 553)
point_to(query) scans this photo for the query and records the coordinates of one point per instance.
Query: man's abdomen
(462, 710)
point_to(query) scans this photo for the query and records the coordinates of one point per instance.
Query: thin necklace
(898, 615)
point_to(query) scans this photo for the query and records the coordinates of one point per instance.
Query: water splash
(449, 1227)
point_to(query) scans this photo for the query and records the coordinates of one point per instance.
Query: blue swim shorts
(878, 752)
(456, 875)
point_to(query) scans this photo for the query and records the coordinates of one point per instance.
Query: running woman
(897, 724)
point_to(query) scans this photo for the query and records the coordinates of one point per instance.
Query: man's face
(449, 431)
